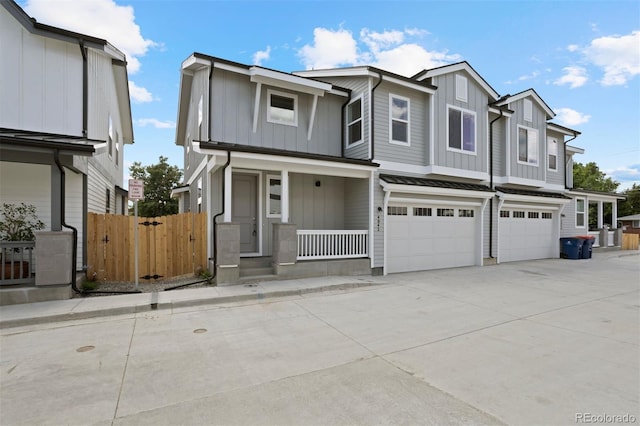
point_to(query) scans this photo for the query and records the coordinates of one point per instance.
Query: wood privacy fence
(630, 241)
(168, 246)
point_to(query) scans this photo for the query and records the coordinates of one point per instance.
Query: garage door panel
(526, 238)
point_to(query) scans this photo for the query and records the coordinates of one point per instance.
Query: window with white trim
(580, 212)
(354, 122)
(461, 130)
(461, 88)
(465, 213)
(504, 213)
(422, 211)
(528, 110)
(399, 119)
(274, 196)
(446, 212)
(547, 215)
(534, 215)
(282, 108)
(396, 211)
(552, 154)
(527, 146)
(518, 215)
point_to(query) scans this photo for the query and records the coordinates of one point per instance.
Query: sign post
(136, 193)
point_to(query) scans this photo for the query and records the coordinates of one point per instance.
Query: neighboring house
(427, 172)
(630, 224)
(65, 118)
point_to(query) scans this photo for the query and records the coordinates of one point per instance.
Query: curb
(156, 305)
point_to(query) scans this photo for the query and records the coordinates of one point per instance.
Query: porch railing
(17, 262)
(596, 236)
(610, 238)
(332, 244)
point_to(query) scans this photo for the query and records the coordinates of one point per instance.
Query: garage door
(526, 235)
(430, 237)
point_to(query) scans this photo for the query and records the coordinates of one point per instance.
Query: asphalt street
(527, 343)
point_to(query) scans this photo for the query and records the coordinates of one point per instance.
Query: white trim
(527, 110)
(417, 202)
(312, 119)
(507, 131)
(296, 107)
(556, 128)
(392, 166)
(528, 129)
(462, 88)
(370, 130)
(461, 150)
(461, 66)
(288, 81)
(574, 149)
(387, 194)
(585, 210)
(612, 198)
(534, 95)
(256, 107)
(432, 137)
(549, 140)
(268, 179)
(400, 120)
(430, 190)
(348, 123)
(284, 197)
(371, 218)
(501, 180)
(197, 171)
(228, 186)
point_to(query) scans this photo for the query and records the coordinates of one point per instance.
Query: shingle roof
(531, 193)
(404, 180)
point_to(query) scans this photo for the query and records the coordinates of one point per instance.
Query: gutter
(491, 171)
(85, 87)
(575, 135)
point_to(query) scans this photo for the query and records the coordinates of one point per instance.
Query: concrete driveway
(544, 342)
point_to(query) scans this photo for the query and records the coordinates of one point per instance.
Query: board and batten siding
(539, 123)
(316, 207)
(356, 204)
(556, 177)
(416, 152)
(477, 102)
(194, 132)
(499, 145)
(232, 118)
(41, 83)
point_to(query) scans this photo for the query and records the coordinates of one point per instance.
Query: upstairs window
(461, 88)
(580, 213)
(528, 110)
(282, 108)
(399, 118)
(552, 149)
(354, 122)
(462, 130)
(527, 146)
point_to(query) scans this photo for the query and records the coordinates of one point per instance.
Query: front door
(244, 210)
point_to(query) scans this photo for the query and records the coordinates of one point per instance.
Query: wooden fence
(168, 246)
(630, 241)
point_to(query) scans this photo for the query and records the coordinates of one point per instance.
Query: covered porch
(598, 213)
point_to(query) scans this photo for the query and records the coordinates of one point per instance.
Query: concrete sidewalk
(123, 304)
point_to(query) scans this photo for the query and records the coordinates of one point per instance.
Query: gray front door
(244, 210)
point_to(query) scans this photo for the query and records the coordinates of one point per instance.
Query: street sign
(136, 189)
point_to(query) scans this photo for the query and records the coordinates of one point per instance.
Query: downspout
(372, 118)
(215, 242)
(85, 86)
(575, 135)
(491, 181)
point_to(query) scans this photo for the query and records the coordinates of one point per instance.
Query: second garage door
(526, 235)
(430, 237)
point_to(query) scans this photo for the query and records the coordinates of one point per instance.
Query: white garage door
(421, 238)
(526, 235)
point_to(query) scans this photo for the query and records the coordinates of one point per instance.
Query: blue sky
(581, 57)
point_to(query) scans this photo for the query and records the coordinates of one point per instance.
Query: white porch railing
(596, 235)
(332, 244)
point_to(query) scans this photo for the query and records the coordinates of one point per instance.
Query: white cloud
(570, 117)
(618, 56)
(573, 47)
(261, 55)
(389, 50)
(531, 76)
(158, 124)
(139, 94)
(99, 18)
(574, 77)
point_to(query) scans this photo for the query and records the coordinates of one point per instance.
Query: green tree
(159, 179)
(632, 204)
(589, 177)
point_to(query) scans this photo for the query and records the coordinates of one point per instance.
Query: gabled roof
(459, 66)
(529, 93)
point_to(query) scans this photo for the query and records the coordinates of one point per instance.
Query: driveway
(544, 342)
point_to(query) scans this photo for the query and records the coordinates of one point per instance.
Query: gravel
(144, 286)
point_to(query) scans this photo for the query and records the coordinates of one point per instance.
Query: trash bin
(571, 248)
(587, 246)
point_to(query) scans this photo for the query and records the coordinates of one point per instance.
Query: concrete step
(256, 262)
(253, 272)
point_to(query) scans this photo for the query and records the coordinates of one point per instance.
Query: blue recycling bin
(571, 248)
(587, 246)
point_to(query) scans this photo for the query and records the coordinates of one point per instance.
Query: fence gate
(168, 246)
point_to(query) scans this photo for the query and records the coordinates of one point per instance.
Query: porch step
(255, 272)
(255, 262)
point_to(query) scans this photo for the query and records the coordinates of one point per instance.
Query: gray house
(359, 170)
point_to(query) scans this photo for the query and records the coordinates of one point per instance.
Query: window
(461, 88)
(110, 138)
(527, 145)
(396, 211)
(552, 149)
(462, 130)
(188, 151)
(107, 205)
(547, 215)
(580, 212)
(465, 213)
(282, 108)
(528, 110)
(534, 215)
(274, 192)
(445, 212)
(354, 122)
(504, 213)
(422, 211)
(399, 125)
(519, 215)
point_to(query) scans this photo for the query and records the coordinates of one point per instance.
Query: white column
(284, 197)
(228, 174)
(614, 215)
(600, 215)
